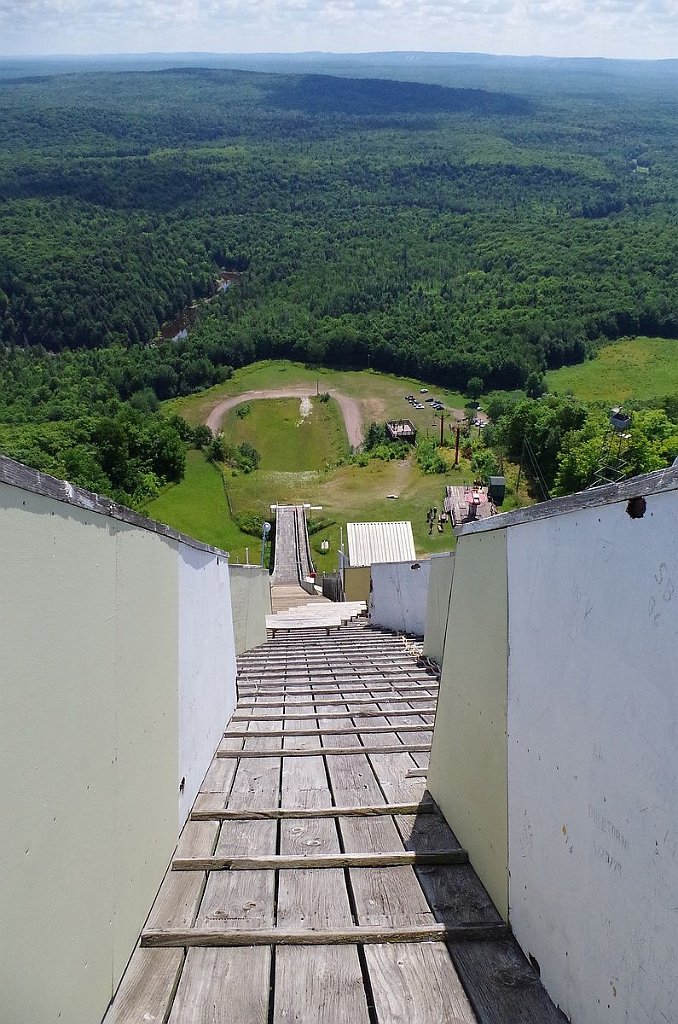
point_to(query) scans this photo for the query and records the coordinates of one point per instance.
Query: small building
(619, 419)
(369, 543)
(401, 430)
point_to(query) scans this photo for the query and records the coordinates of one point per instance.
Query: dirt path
(350, 409)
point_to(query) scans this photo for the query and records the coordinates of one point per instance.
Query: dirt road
(350, 409)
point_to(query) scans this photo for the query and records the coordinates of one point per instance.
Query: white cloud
(560, 27)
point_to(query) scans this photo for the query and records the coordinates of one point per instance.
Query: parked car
(423, 391)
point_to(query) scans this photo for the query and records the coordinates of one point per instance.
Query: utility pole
(442, 424)
(456, 447)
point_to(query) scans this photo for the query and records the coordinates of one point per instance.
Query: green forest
(439, 228)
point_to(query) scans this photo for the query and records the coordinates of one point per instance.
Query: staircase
(316, 880)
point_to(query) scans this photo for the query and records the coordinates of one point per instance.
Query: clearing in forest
(632, 368)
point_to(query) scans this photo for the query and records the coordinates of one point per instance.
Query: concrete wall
(117, 654)
(357, 583)
(438, 605)
(590, 760)
(468, 773)
(399, 596)
(251, 603)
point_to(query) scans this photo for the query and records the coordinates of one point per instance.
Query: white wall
(593, 758)
(558, 713)
(117, 676)
(438, 605)
(206, 666)
(399, 595)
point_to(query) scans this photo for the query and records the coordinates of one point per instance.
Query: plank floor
(316, 881)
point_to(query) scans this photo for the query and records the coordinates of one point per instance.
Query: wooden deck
(315, 881)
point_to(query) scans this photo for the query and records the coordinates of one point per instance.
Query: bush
(243, 410)
(429, 458)
(249, 523)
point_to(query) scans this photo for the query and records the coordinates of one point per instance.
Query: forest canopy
(452, 234)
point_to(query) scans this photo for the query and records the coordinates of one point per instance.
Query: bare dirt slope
(350, 409)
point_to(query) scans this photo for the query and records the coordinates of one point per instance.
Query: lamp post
(265, 530)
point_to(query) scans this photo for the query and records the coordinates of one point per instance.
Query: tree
(475, 388)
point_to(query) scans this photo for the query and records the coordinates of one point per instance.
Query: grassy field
(287, 439)
(197, 506)
(632, 368)
(353, 493)
(382, 396)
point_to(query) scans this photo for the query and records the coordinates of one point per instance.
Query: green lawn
(631, 368)
(197, 506)
(285, 438)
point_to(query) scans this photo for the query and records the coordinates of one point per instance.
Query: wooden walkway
(315, 881)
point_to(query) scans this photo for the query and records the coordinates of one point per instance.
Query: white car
(423, 391)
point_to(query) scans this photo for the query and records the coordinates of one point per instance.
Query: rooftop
(380, 542)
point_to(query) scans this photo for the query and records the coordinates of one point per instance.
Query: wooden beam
(338, 700)
(321, 936)
(320, 860)
(391, 748)
(426, 807)
(417, 773)
(353, 730)
(316, 689)
(332, 714)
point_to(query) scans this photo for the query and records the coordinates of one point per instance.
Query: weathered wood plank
(416, 984)
(257, 703)
(384, 894)
(319, 860)
(221, 986)
(282, 752)
(237, 900)
(177, 902)
(198, 838)
(356, 935)
(217, 814)
(147, 987)
(353, 780)
(503, 988)
(245, 899)
(219, 778)
(336, 731)
(327, 714)
(319, 985)
(393, 772)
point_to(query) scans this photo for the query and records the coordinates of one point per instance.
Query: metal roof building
(380, 542)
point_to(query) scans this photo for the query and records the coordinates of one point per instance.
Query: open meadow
(632, 368)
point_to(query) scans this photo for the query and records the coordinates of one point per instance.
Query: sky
(577, 28)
